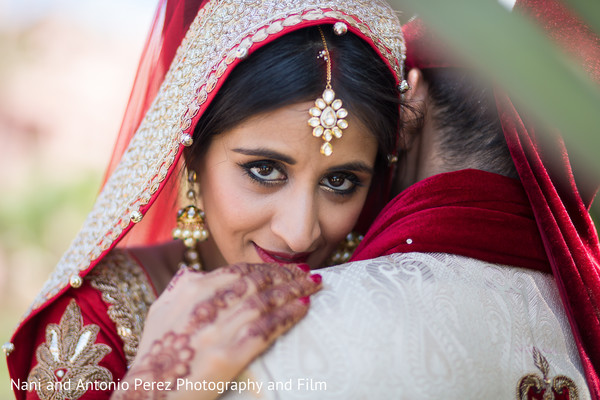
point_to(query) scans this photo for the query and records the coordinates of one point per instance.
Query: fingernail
(305, 300)
(304, 267)
(316, 278)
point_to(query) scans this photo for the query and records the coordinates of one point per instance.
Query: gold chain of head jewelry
(327, 116)
(327, 58)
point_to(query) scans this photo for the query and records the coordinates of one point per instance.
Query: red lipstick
(280, 258)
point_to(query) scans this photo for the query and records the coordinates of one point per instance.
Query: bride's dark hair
(287, 71)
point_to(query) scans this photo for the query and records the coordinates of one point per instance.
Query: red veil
(171, 22)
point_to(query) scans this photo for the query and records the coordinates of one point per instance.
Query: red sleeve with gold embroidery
(70, 350)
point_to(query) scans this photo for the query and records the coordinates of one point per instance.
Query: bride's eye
(341, 183)
(264, 172)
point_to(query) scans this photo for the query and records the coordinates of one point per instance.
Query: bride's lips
(281, 258)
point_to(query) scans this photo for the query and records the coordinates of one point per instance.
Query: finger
(181, 272)
(246, 268)
(227, 355)
(237, 319)
(249, 284)
(278, 321)
(293, 268)
(190, 287)
(195, 286)
(277, 296)
(257, 336)
(226, 298)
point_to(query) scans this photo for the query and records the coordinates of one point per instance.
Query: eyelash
(247, 168)
(356, 183)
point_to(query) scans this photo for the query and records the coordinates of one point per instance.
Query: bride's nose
(296, 220)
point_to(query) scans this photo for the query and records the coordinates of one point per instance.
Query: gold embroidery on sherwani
(68, 360)
(128, 292)
(539, 384)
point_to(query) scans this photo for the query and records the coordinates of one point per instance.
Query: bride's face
(269, 195)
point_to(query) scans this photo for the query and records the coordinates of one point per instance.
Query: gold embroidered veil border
(222, 33)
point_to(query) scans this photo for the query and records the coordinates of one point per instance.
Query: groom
(479, 279)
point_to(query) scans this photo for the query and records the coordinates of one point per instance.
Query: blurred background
(66, 69)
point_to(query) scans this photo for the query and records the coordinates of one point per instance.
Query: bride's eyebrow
(358, 166)
(266, 153)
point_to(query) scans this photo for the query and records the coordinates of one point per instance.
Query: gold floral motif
(69, 358)
(544, 385)
(223, 31)
(125, 287)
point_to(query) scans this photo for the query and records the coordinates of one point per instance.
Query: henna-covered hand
(209, 327)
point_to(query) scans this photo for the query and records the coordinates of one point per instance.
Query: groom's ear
(418, 91)
(413, 114)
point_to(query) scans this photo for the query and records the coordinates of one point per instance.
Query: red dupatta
(566, 236)
(171, 22)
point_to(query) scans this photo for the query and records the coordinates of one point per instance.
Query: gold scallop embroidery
(68, 360)
(125, 287)
(535, 384)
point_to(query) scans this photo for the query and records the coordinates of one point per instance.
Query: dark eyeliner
(356, 183)
(247, 169)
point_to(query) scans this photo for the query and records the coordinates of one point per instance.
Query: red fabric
(470, 212)
(425, 50)
(563, 223)
(568, 233)
(171, 22)
(94, 311)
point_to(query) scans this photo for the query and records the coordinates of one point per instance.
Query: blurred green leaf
(588, 10)
(539, 77)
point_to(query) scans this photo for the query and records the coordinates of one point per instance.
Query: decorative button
(241, 53)
(8, 348)
(186, 140)
(340, 28)
(75, 281)
(136, 216)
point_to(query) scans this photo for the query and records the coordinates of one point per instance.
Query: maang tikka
(190, 227)
(327, 117)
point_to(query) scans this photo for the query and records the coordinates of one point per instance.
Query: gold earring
(191, 228)
(327, 117)
(345, 249)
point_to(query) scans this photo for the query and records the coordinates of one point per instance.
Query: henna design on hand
(230, 293)
(169, 359)
(174, 280)
(202, 314)
(276, 308)
(260, 276)
(267, 300)
(279, 319)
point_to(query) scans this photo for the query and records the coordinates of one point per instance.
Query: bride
(282, 120)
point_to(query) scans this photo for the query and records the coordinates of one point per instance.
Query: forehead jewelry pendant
(327, 116)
